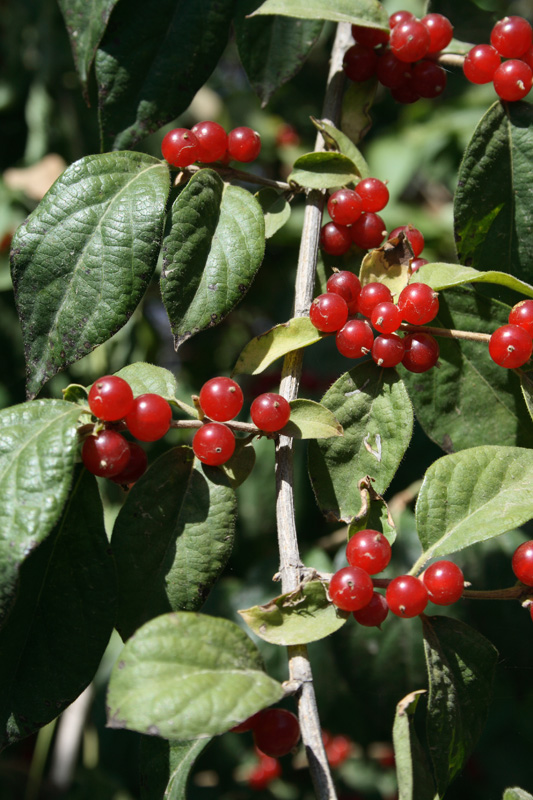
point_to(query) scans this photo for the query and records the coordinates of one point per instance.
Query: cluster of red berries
(511, 345)
(276, 731)
(207, 142)
(511, 38)
(398, 59)
(336, 312)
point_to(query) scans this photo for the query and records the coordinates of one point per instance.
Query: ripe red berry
(348, 286)
(221, 399)
(522, 315)
(400, 16)
(368, 231)
(440, 31)
(355, 339)
(134, 469)
(335, 239)
(418, 303)
(287, 136)
(247, 725)
(337, 749)
(106, 454)
(522, 563)
(328, 312)
(213, 444)
(373, 193)
(528, 56)
(369, 37)
(481, 63)
(406, 596)
(429, 79)
(264, 773)
(369, 550)
(386, 317)
(413, 235)
(212, 141)
(388, 350)
(510, 346)
(444, 582)
(276, 732)
(416, 263)
(351, 588)
(244, 144)
(405, 94)
(360, 63)
(270, 412)
(345, 206)
(391, 72)
(513, 80)
(149, 418)
(371, 295)
(511, 36)
(110, 398)
(410, 41)
(372, 615)
(421, 352)
(180, 147)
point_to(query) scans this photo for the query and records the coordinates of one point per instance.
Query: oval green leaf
(443, 276)
(148, 378)
(266, 348)
(165, 766)
(357, 12)
(276, 208)
(412, 770)
(323, 171)
(344, 145)
(311, 420)
(86, 24)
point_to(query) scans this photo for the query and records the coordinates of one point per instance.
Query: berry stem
(245, 427)
(247, 177)
(447, 333)
(450, 60)
(512, 593)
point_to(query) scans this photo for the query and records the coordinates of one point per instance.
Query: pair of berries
(354, 217)
(511, 345)
(511, 38)
(276, 731)
(208, 142)
(442, 583)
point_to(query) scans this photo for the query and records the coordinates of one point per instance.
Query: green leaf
(296, 618)
(344, 145)
(374, 410)
(323, 171)
(84, 257)
(461, 665)
(86, 24)
(412, 770)
(276, 209)
(516, 794)
(266, 348)
(443, 276)
(62, 618)
(272, 50)
(211, 254)
(388, 264)
(311, 420)
(188, 675)
(166, 766)
(148, 378)
(38, 445)
(234, 471)
(357, 12)
(171, 539)
(492, 207)
(526, 384)
(462, 497)
(357, 102)
(150, 65)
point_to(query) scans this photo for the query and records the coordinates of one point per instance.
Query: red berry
(405, 94)
(388, 350)
(510, 346)
(270, 412)
(276, 732)
(368, 231)
(212, 141)
(345, 206)
(337, 750)
(406, 596)
(106, 454)
(373, 193)
(328, 312)
(511, 36)
(134, 469)
(418, 303)
(244, 144)
(391, 72)
(369, 37)
(264, 773)
(213, 444)
(481, 63)
(513, 80)
(369, 550)
(400, 16)
(528, 56)
(444, 582)
(372, 615)
(522, 563)
(522, 315)
(416, 263)
(221, 399)
(247, 725)
(287, 136)
(351, 588)
(413, 235)
(180, 147)
(355, 339)
(371, 295)
(429, 79)
(421, 352)
(440, 31)
(410, 41)
(348, 286)
(335, 239)
(386, 317)
(149, 418)
(110, 398)
(360, 63)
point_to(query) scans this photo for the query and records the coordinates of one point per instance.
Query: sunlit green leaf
(266, 348)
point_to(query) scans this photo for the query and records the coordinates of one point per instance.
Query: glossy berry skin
(388, 350)
(221, 399)
(513, 80)
(180, 147)
(429, 79)
(244, 144)
(413, 235)
(373, 193)
(522, 315)
(246, 725)
(351, 588)
(386, 317)
(348, 286)
(276, 732)
(360, 63)
(400, 16)
(213, 444)
(355, 339)
(369, 37)
(335, 239)
(510, 346)
(418, 303)
(522, 563)
(328, 312)
(416, 263)
(410, 41)
(511, 36)
(371, 295)
(149, 418)
(444, 581)
(106, 454)
(421, 352)
(405, 94)
(337, 749)
(368, 231)
(110, 398)
(270, 412)
(481, 63)
(135, 468)
(264, 773)
(212, 141)
(391, 72)
(440, 31)
(406, 596)
(369, 550)
(345, 206)
(528, 56)
(372, 615)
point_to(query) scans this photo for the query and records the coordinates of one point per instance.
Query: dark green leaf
(276, 209)
(526, 384)
(358, 12)
(412, 770)
(266, 348)
(311, 420)
(85, 256)
(166, 766)
(61, 621)
(461, 665)
(86, 24)
(323, 171)
(234, 471)
(150, 65)
(357, 102)
(443, 276)
(171, 539)
(211, 254)
(190, 676)
(344, 145)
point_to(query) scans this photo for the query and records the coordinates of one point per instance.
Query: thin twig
(450, 60)
(240, 175)
(245, 427)
(447, 333)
